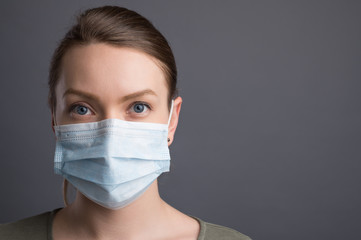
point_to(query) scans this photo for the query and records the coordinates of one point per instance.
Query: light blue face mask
(112, 162)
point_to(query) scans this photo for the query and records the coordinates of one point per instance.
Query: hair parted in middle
(120, 27)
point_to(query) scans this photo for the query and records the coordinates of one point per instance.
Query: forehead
(104, 69)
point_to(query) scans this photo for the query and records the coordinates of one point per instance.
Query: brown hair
(120, 27)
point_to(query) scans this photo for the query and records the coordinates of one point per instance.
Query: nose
(113, 113)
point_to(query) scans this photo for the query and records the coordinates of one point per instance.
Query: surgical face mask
(112, 162)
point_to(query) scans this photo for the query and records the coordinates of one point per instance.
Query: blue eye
(139, 107)
(81, 110)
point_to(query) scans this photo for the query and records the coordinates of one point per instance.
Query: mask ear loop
(54, 119)
(171, 112)
(170, 117)
(65, 182)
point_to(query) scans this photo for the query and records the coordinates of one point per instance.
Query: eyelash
(139, 102)
(73, 107)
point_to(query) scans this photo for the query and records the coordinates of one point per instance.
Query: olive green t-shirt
(40, 228)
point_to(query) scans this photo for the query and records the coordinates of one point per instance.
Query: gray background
(269, 141)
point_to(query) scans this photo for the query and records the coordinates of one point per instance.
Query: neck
(134, 220)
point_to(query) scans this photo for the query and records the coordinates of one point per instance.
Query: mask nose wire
(171, 111)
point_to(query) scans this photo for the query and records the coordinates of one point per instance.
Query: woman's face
(100, 81)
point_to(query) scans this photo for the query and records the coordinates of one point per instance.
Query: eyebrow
(91, 96)
(138, 94)
(72, 91)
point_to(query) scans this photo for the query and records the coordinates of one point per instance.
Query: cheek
(60, 110)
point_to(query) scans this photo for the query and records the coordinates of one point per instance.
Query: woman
(112, 94)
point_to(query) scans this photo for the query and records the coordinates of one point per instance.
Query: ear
(174, 119)
(52, 122)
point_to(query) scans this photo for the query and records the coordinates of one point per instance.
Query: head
(113, 63)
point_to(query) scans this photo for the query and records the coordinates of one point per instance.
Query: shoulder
(210, 231)
(35, 227)
(214, 231)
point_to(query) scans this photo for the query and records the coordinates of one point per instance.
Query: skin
(98, 82)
